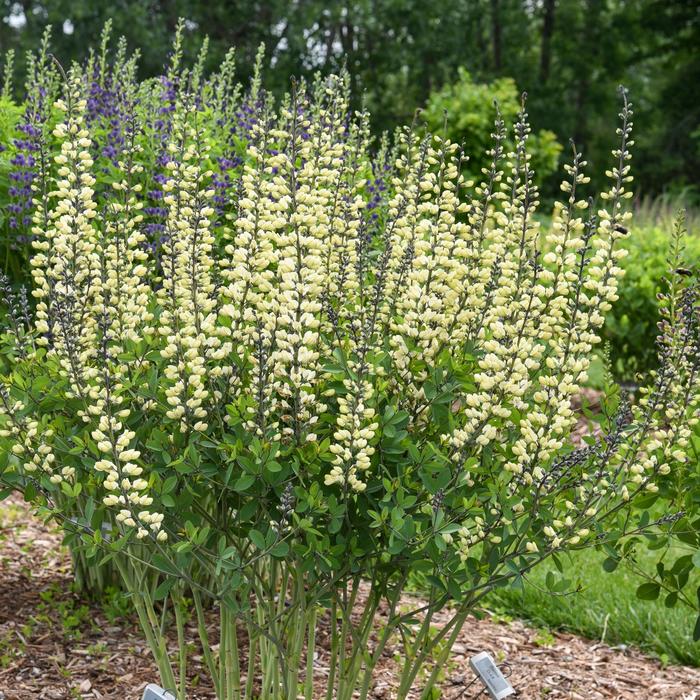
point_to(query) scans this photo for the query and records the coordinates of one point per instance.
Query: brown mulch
(53, 645)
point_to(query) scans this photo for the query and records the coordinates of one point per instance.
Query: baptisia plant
(306, 392)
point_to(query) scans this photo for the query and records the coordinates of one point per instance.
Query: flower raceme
(314, 368)
(246, 322)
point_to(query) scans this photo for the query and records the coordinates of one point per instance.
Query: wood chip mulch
(53, 645)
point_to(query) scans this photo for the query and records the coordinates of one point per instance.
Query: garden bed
(54, 645)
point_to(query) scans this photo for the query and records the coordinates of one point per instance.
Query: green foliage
(63, 611)
(465, 112)
(675, 578)
(265, 365)
(9, 117)
(603, 605)
(675, 575)
(568, 55)
(631, 324)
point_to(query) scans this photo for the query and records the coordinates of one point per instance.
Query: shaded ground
(54, 645)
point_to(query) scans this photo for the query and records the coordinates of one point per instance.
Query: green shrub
(269, 371)
(675, 577)
(465, 112)
(9, 117)
(631, 325)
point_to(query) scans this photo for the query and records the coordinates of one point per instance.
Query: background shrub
(465, 112)
(631, 325)
(10, 256)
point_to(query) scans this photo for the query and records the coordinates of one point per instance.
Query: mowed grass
(605, 609)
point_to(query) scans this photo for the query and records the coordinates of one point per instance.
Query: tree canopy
(568, 55)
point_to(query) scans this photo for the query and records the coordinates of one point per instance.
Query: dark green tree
(569, 55)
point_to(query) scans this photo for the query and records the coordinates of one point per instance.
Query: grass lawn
(606, 608)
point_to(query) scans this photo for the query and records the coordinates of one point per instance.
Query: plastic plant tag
(155, 692)
(490, 675)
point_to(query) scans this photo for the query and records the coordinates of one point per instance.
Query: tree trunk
(590, 48)
(496, 33)
(347, 40)
(546, 46)
(481, 40)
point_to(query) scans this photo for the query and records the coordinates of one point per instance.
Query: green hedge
(630, 326)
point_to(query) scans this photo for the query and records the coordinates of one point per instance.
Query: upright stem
(182, 647)
(297, 621)
(276, 583)
(149, 624)
(228, 650)
(310, 650)
(411, 670)
(223, 680)
(334, 649)
(359, 646)
(444, 655)
(350, 669)
(386, 635)
(407, 676)
(204, 639)
(346, 611)
(252, 654)
(233, 657)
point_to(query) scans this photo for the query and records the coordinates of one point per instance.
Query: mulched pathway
(53, 645)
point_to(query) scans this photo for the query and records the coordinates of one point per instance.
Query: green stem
(252, 653)
(344, 680)
(182, 647)
(297, 621)
(383, 640)
(204, 639)
(277, 571)
(265, 647)
(228, 654)
(359, 653)
(455, 626)
(341, 655)
(310, 649)
(234, 659)
(334, 649)
(164, 616)
(223, 631)
(156, 641)
(444, 655)
(407, 676)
